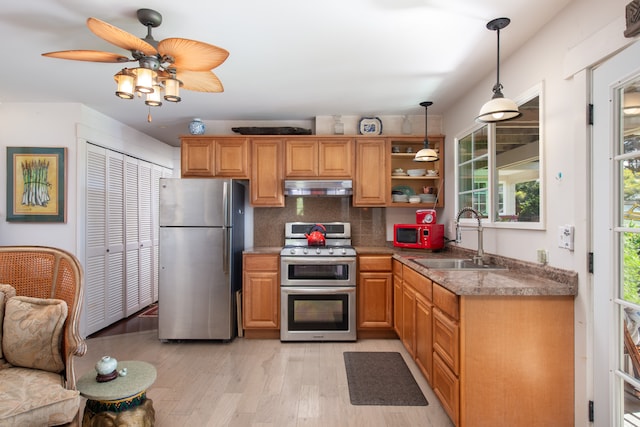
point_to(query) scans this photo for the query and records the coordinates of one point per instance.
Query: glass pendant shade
(426, 155)
(498, 109)
(125, 84)
(154, 99)
(631, 103)
(172, 90)
(145, 80)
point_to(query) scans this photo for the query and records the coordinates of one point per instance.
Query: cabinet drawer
(375, 262)
(261, 262)
(420, 283)
(446, 386)
(446, 340)
(446, 301)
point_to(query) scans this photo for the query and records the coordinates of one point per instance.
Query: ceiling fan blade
(118, 37)
(87, 55)
(200, 81)
(191, 54)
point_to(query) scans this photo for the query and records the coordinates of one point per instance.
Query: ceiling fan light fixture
(154, 99)
(145, 79)
(125, 81)
(172, 89)
(426, 154)
(499, 108)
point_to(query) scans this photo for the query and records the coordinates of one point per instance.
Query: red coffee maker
(428, 217)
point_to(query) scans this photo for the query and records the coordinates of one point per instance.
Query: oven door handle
(324, 260)
(307, 290)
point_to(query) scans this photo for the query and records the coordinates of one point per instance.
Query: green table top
(140, 376)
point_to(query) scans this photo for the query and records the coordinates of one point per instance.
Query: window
(498, 168)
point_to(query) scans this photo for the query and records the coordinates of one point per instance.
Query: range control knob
(344, 251)
(318, 250)
(331, 251)
(305, 251)
(292, 251)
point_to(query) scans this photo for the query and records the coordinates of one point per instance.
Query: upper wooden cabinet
(319, 158)
(403, 150)
(209, 157)
(370, 181)
(266, 172)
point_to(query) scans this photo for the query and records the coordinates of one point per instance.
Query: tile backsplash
(367, 224)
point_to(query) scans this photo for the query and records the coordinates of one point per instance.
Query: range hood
(318, 188)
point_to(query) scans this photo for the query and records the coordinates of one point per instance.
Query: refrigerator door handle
(226, 244)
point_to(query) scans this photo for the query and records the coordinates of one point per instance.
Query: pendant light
(499, 108)
(426, 154)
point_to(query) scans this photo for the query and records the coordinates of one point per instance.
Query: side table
(119, 402)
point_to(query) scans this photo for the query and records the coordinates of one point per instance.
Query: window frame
(493, 185)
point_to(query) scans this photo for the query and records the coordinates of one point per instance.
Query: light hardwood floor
(250, 382)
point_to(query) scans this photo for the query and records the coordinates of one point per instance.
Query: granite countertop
(519, 279)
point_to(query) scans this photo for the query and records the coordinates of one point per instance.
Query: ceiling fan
(172, 62)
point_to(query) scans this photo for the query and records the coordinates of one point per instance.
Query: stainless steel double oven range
(318, 285)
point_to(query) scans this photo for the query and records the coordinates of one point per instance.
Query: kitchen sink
(455, 264)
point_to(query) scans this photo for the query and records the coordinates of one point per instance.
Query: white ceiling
(289, 60)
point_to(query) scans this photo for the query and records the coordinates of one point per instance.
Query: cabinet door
(301, 159)
(408, 319)
(261, 292)
(261, 300)
(231, 158)
(375, 299)
(335, 158)
(424, 342)
(397, 297)
(196, 158)
(370, 181)
(266, 173)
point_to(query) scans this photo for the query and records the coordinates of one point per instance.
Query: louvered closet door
(104, 271)
(145, 229)
(132, 261)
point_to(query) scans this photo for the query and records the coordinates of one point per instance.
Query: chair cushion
(32, 332)
(6, 292)
(31, 397)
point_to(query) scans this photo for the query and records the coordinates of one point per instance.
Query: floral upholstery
(32, 332)
(31, 397)
(47, 276)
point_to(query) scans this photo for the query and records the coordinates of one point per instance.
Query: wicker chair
(45, 272)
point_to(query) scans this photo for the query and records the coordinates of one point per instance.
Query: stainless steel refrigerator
(200, 258)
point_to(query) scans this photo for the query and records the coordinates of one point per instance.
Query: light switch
(565, 236)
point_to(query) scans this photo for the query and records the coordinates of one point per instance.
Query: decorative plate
(370, 126)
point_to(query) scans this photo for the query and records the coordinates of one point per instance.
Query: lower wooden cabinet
(423, 343)
(446, 386)
(374, 295)
(261, 295)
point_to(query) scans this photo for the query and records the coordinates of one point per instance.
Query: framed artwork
(36, 184)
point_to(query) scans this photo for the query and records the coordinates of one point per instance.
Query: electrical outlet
(543, 256)
(565, 236)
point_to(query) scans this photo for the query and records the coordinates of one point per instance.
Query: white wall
(583, 34)
(66, 125)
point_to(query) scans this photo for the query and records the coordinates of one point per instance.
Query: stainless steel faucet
(479, 257)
